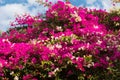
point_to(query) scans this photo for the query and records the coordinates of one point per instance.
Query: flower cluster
(71, 43)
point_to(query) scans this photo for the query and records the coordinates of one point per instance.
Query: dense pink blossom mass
(69, 43)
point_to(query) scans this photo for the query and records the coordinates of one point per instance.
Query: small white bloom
(89, 65)
(95, 26)
(6, 40)
(92, 63)
(51, 47)
(107, 58)
(52, 37)
(99, 42)
(73, 57)
(56, 37)
(55, 13)
(88, 45)
(58, 46)
(63, 35)
(1, 65)
(76, 16)
(59, 28)
(16, 78)
(78, 19)
(12, 45)
(57, 69)
(12, 73)
(81, 48)
(42, 40)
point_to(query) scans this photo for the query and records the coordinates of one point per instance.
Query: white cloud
(32, 2)
(4, 24)
(93, 7)
(107, 4)
(8, 13)
(11, 9)
(53, 1)
(117, 5)
(90, 1)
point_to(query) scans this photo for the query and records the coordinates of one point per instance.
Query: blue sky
(10, 8)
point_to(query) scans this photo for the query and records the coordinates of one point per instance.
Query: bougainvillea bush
(69, 43)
